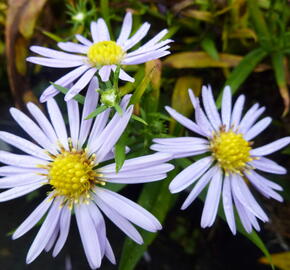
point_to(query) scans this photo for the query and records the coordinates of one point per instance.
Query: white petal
(146, 49)
(227, 107)
(243, 215)
(12, 170)
(178, 148)
(90, 105)
(128, 209)
(45, 232)
(185, 121)
(140, 34)
(267, 165)
(105, 72)
(21, 180)
(100, 226)
(80, 84)
(109, 253)
(33, 218)
(126, 29)
(94, 31)
(212, 201)
(137, 179)
(50, 53)
(23, 145)
(203, 122)
(180, 141)
(88, 235)
(199, 186)
(48, 62)
(18, 192)
(52, 239)
(122, 223)
(145, 57)
(248, 122)
(64, 224)
(103, 32)
(271, 147)
(189, 175)
(257, 128)
(228, 204)
(249, 115)
(246, 198)
(83, 40)
(64, 81)
(265, 186)
(237, 111)
(73, 47)
(125, 76)
(57, 122)
(115, 134)
(32, 130)
(210, 108)
(42, 121)
(74, 120)
(149, 171)
(99, 124)
(24, 161)
(134, 164)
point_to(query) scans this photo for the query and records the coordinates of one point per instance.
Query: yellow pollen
(231, 151)
(105, 53)
(72, 175)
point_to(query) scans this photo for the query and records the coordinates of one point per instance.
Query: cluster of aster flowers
(75, 164)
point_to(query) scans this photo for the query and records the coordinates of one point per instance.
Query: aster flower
(71, 169)
(100, 55)
(232, 164)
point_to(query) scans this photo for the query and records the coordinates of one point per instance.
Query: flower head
(101, 55)
(71, 168)
(232, 164)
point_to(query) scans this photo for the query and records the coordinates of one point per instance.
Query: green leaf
(280, 67)
(120, 151)
(259, 22)
(105, 11)
(139, 119)
(142, 87)
(243, 70)
(79, 98)
(156, 198)
(52, 36)
(97, 111)
(209, 46)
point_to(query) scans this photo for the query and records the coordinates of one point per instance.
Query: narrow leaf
(139, 119)
(281, 78)
(79, 98)
(209, 46)
(97, 111)
(243, 70)
(120, 151)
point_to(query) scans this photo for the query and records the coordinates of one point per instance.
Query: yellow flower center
(105, 53)
(231, 151)
(72, 175)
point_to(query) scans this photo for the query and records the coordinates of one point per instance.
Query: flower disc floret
(105, 53)
(72, 175)
(231, 151)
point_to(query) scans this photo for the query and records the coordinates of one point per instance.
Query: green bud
(109, 97)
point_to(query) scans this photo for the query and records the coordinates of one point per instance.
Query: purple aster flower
(101, 55)
(232, 163)
(72, 169)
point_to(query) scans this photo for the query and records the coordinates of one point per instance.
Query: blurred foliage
(228, 39)
(281, 260)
